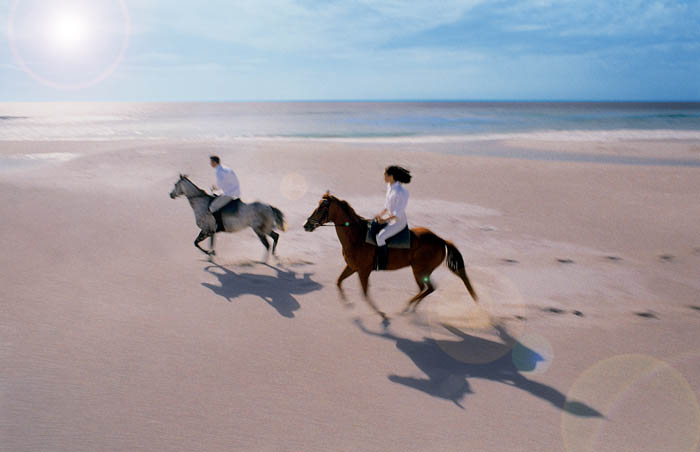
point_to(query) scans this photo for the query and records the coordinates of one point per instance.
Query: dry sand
(117, 334)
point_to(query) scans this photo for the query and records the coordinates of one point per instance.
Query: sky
(234, 50)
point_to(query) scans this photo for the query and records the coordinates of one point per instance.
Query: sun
(68, 31)
(68, 44)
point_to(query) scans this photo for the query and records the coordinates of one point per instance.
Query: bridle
(317, 223)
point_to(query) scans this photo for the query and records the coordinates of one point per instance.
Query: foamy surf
(369, 122)
(14, 162)
(545, 135)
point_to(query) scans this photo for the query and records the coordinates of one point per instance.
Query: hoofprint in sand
(117, 334)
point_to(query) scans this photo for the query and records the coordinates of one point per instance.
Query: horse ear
(328, 193)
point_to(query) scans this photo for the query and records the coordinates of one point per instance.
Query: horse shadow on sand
(277, 290)
(448, 377)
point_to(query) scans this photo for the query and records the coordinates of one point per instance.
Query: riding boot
(219, 221)
(382, 257)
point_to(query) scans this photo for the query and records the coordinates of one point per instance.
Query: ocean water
(373, 121)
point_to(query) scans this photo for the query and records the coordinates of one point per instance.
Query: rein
(318, 224)
(314, 222)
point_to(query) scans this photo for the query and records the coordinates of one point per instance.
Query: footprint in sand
(647, 315)
(613, 258)
(520, 317)
(510, 261)
(553, 310)
(696, 251)
(577, 313)
(667, 257)
(565, 261)
(696, 308)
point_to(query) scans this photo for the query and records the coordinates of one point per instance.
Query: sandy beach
(117, 334)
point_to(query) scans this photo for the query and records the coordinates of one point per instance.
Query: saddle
(400, 240)
(229, 208)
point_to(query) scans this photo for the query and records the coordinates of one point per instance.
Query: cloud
(595, 18)
(335, 29)
(283, 25)
(157, 58)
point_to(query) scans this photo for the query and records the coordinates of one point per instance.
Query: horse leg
(266, 244)
(345, 274)
(275, 236)
(364, 281)
(211, 245)
(428, 290)
(202, 235)
(425, 287)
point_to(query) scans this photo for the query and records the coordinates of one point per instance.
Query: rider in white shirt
(394, 213)
(227, 182)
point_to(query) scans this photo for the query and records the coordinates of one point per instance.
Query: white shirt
(227, 181)
(396, 201)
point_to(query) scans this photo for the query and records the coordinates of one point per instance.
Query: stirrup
(381, 258)
(219, 221)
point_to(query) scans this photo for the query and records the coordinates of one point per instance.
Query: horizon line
(417, 100)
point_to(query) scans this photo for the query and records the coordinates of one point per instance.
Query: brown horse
(426, 253)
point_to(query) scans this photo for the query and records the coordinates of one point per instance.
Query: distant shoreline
(377, 122)
(365, 101)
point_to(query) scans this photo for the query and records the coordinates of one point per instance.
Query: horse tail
(279, 218)
(455, 263)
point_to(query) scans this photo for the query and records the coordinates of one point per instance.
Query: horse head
(179, 189)
(321, 215)
(183, 187)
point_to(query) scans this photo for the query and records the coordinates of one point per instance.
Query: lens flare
(488, 330)
(293, 186)
(68, 44)
(647, 406)
(532, 354)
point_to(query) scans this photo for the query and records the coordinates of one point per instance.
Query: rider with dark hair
(399, 174)
(394, 213)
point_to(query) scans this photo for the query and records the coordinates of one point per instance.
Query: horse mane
(347, 208)
(185, 177)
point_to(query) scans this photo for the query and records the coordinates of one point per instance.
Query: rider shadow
(448, 377)
(276, 291)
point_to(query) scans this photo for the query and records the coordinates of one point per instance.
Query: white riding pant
(219, 202)
(390, 230)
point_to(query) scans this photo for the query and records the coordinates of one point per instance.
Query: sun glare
(68, 44)
(68, 31)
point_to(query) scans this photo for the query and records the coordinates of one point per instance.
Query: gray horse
(262, 218)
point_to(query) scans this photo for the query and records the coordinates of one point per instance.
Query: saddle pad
(230, 208)
(400, 240)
